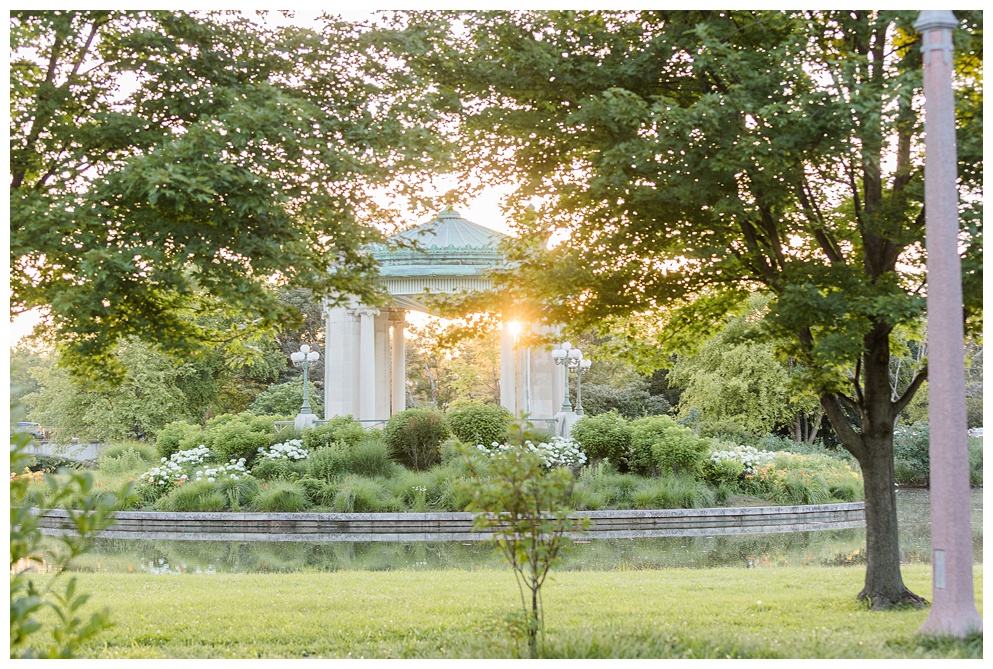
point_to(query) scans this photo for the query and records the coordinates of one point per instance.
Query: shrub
(176, 436)
(281, 497)
(280, 468)
(340, 429)
(238, 439)
(414, 437)
(479, 423)
(911, 454)
(633, 401)
(371, 458)
(606, 436)
(659, 444)
(329, 463)
(125, 461)
(976, 461)
(148, 452)
(560, 452)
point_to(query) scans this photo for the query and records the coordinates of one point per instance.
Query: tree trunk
(884, 586)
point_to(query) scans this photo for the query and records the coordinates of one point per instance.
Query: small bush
(148, 452)
(479, 423)
(724, 472)
(337, 430)
(129, 460)
(659, 444)
(281, 497)
(176, 436)
(279, 468)
(329, 463)
(414, 437)
(976, 461)
(911, 454)
(606, 436)
(193, 496)
(236, 436)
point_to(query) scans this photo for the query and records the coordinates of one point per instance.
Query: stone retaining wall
(458, 526)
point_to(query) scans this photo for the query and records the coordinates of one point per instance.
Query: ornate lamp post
(581, 369)
(571, 358)
(305, 358)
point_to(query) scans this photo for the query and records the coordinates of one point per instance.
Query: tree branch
(911, 390)
(850, 439)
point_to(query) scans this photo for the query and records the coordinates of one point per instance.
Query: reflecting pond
(829, 547)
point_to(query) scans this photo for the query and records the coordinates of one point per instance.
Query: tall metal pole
(306, 396)
(953, 611)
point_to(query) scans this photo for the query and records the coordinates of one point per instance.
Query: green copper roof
(448, 245)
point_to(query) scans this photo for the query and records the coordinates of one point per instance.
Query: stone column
(341, 362)
(953, 611)
(367, 364)
(508, 375)
(399, 399)
(382, 327)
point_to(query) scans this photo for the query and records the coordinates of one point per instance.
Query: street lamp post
(571, 358)
(581, 369)
(304, 358)
(953, 611)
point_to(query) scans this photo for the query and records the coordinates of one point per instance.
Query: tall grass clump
(193, 496)
(602, 484)
(357, 494)
(673, 491)
(370, 457)
(130, 459)
(239, 492)
(281, 497)
(329, 463)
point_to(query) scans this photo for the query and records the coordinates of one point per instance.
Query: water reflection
(832, 547)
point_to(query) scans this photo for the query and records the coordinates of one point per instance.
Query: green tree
(139, 406)
(736, 377)
(677, 161)
(166, 163)
(441, 372)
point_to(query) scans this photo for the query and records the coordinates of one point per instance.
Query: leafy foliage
(527, 509)
(606, 436)
(337, 430)
(166, 162)
(414, 437)
(479, 423)
(285, 399)
(90, 512)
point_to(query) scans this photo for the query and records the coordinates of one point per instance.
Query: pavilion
(365, 357)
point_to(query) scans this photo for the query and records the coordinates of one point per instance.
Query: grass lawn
(715, 613)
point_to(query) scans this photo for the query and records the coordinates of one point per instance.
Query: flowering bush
(194, 456)
(170, 473)
(561, 452)
(288, 450)
(234, 470)
(749, 456)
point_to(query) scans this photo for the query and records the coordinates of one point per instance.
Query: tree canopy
(165, 163)
(670, 163)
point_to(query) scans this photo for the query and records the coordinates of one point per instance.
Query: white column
(367, 365)
(341, 362)
(382, 326)
(399, 399)
(508, 375)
